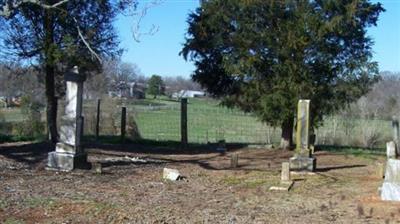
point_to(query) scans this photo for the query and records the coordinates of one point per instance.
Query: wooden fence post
(184, 136)
(123, 123)
(98, 119)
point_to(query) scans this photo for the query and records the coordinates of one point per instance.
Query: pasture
(209, 122)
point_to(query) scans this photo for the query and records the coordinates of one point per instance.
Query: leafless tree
(17, 81)
(176, 84)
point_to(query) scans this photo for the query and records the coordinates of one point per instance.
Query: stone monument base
(390, 190)
(302, 163)
(66, 161)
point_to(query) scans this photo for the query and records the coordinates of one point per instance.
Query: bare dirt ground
(343, 190)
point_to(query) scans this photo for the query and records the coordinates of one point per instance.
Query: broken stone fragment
(171, 174)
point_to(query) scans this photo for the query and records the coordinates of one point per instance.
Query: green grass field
(207, 122)
(159, 119)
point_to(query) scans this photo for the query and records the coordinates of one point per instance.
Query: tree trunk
(287, 134)
(51, 109)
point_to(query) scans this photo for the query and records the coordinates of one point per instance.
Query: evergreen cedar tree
(49, 38)
(156, 86)
(264, 55)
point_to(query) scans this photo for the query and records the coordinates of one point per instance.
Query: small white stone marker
(171, 174)
(391, 150)
(285, 173)
(285, 183)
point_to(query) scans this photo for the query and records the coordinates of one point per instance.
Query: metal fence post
(123, 123)
(184, 132)
(98, 119)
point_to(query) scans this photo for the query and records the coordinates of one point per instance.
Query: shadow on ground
(112, 143)
(28, 153)
(326, 169)
(33, 154)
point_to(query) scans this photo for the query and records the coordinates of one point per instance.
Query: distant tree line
(382, 102)
(115, 77)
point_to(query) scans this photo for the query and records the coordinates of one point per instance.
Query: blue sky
(159, 53)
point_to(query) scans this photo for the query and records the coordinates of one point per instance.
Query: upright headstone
(69, 152)
(234, 160)
(303, 159)
(285, 172)
(390, 190)
(391, 150)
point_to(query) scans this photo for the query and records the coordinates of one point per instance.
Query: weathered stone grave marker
(97, 167)
(303, 159)
(285, 172)
(391, 150)
(234, 160)
(390, 190)
(69, 152)
(286, 183)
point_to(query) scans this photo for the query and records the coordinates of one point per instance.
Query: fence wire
(208, 122)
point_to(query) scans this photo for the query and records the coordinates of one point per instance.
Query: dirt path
(344, 190)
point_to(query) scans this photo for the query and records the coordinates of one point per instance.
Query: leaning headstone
(390, 190)
(391, 150)
(303, 159)
(69, 152)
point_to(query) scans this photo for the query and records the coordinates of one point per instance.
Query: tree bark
(51, 109)
(287, 134)
(52, 105)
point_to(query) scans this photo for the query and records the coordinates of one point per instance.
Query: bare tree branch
(139, 16)
(86, 43)
(10, 5)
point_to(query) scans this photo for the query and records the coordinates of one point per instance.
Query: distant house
(137, 90)
(189, 94)
(131, 90)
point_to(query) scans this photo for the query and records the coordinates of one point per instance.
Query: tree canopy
(155, 86)
(55, 35)
(265, 55)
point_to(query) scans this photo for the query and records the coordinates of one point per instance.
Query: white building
(188, 94)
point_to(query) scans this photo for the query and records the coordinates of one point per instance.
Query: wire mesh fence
(207, 122)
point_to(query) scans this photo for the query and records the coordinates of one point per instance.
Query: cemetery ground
(130, 188)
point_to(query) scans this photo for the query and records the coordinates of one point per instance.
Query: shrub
(132, 127)
(31, 126)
